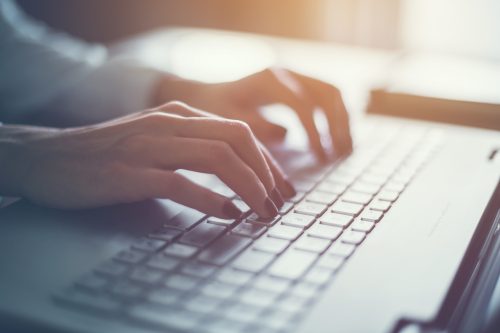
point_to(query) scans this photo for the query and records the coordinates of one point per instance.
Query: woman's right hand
(135, 158)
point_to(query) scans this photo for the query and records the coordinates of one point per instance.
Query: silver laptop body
(63, 271)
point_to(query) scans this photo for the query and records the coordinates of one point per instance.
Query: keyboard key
(252, 230)
(303, 185)
(127, 290)
(203, 304)
(166, 233)
(112, 269)
(305, 289)
(356, 197)
(149, 245)
(379, 205)
(310, 208)
(353, 237)
(297, 220)
(324, 231)
(292, 303)
(254, 218)
(318, 275)
(394, 187)
(253, 261)
(180, 250)
(198, 269)
(297, 197)
(233, 276)
(163, 262)
(271, 284)
(242, 206)
(332, 262)
(402, 178)
(320, 197)
(146, 275)
(340, 249)
(344, 177)
(329, 187)
(371, 179)
(287, 206)
(242, 313)
(97, 303)
(284, 232)
(203, 234)
(371, 215)
(336, 220)
(163, 318)
(271, 245)
(130, 256)
(292, 264)
(163, 296)
(92, 282)
(385, 195)
(186, 219)
(219, 221)
(277, 320)
(363, 226)
(181, 282)
(311, 244)
(361, 187)
(257, 297)
(346, 208)
(219, 289)
(224, 325)
(224, 249)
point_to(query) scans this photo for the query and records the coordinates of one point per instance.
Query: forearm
(14, 156)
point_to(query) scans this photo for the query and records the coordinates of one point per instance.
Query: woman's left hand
(241, 100)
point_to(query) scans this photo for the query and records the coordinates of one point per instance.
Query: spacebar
(224, 249)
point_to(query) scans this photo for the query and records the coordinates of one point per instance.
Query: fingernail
(231, 211)
(289, 189)
(277, 198)
(271, 209)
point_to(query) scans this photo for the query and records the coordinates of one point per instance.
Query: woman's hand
(241, 99)
(135, 158)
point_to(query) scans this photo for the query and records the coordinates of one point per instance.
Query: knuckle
(154, 117)
(174, 106)
(241, 131)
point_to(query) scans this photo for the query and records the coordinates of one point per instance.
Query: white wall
(465, 27)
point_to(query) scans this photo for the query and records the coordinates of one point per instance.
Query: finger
(330, 100)
(215, 157)
(235, 133)
(263, 129)
(170, 185)
(242, 141)
(282, 182)
(278, 86)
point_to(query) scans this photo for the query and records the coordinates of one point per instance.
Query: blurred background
(461, 27)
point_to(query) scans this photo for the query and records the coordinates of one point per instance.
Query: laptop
(400, 236)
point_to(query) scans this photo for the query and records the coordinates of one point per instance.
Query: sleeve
(48, 74)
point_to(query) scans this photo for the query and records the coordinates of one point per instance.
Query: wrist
(173, 88)
(17, 156)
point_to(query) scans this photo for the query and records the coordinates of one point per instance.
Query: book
(441, 88)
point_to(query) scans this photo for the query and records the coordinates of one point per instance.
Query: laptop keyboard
(205, 274)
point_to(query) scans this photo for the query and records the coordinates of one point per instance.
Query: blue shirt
(46, 71)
